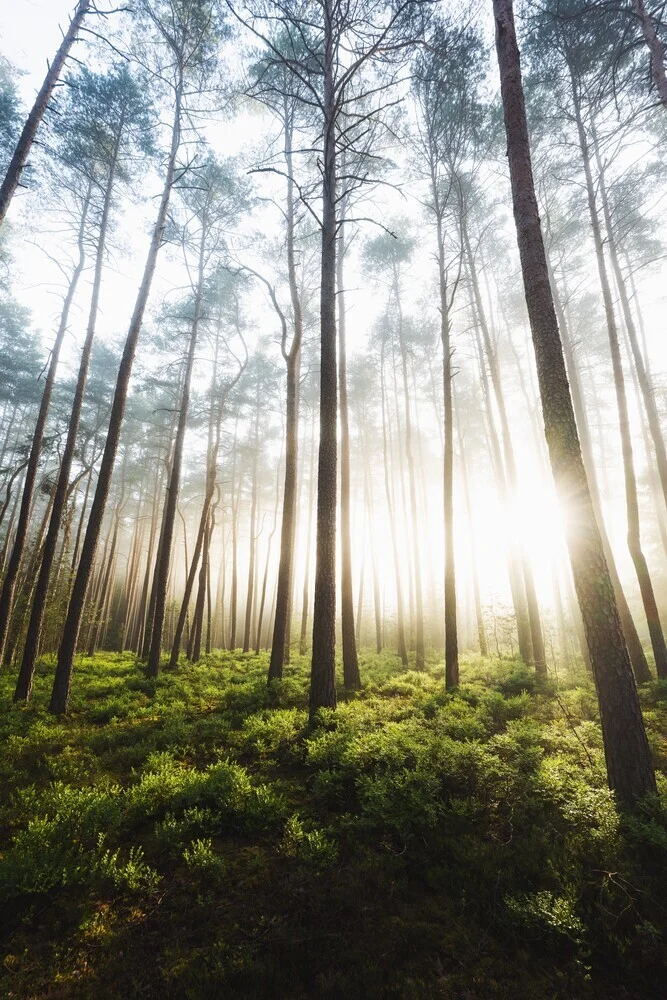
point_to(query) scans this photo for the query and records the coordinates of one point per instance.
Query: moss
(414, 843)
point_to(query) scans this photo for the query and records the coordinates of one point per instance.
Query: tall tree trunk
(323, 664)
(24, 683)
(9, 582)
(24, 145)
(477, 600)
(267, 563)
(351, 676)
(61, 687)
(515, 573)
(279, 643)
(412, 484)
(250, 591)
(97, 609)
(194, 645)
(631, 501)
(637, 655)
(400, 615)
(534, 620)
(627, 753)
(309, 540)
(643, 376)
(173, 485)
(451, 633)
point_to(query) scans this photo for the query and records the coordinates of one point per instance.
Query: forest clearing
(333, 499)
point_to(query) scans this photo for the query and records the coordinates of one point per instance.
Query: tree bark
(309, 539)
(451, 632)
(400, 614)
(351, 676)
(293, 362)
(635, 649)
(9, 582)
(24, 145)
(656, 49)
(173, 485)
(523, 567)
(323, 664)
(61, 687)
(30, 649)
(627, 753)
(630, 480)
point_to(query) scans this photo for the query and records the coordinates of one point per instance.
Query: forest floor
(194, 837)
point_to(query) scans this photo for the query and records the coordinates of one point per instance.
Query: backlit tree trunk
(351, 678)
(9, 582)
(627, 754)
(630, 479)
(60, 694)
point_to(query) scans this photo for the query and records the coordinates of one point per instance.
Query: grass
(194, 836)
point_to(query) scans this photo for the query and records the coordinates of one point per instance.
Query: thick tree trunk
(627, 753)
(9, 582)
(323, 665)
(61, 687)
(24, 145)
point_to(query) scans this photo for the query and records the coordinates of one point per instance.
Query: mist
(334, 372)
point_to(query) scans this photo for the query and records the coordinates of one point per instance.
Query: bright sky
(29, 35)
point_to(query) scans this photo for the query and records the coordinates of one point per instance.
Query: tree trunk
(351, 677)
(400, 616)
(173, 485)
(61, 687)
(656, 49)
(24, 683)
(24, 145)
(323, 665)
(9, 582)
(627, 753)
(631, 501)
(279, 643)
(643, 376)
(479, 617)
(451, 633)
(250, 591)
(412, 484)
(267, 563)
(522, 565)
(637, 655)
(309, 539)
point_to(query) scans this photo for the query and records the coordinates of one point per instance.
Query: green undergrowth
(196, 836)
